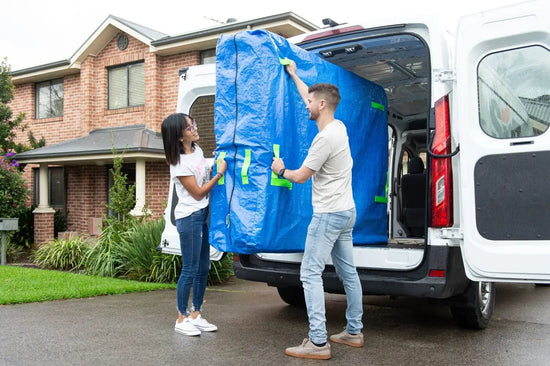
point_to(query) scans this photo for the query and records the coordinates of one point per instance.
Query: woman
(190, 173)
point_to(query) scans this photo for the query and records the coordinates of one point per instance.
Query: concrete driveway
(255, 326)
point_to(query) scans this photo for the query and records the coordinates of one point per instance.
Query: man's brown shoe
(354, 340)
(308, 350)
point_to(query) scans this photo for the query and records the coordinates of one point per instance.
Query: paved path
(255, 326)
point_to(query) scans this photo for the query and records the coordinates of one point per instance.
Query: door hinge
(444, 75)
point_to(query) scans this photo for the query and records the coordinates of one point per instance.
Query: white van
(469, 152)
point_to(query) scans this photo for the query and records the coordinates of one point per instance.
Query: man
(329, 162)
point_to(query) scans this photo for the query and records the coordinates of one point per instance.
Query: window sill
(47, 120)
(109, 112)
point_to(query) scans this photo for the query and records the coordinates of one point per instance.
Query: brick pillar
(43, 227)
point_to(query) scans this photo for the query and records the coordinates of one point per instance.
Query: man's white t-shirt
(190, 164)
(329, 155)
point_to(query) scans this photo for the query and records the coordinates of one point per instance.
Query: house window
(126, 86)
(208, 56)
(49, 99)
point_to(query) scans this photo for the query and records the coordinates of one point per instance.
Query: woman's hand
(221, 165)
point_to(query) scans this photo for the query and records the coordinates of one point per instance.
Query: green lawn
(22, 285)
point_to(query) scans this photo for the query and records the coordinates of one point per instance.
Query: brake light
(442, 174)
(332, 32)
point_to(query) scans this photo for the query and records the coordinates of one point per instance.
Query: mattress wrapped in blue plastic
(258, 115)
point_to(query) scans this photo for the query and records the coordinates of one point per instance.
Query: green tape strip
(275, 180)
(222, 179)
(246, 165)
(377, 106)
(380, 199)
(284, 61)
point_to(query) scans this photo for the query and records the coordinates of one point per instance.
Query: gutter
(217, 30)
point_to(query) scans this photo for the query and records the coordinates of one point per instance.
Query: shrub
(13, 193)
(139, 250)
(13, 252)
(166, 268)
(103, 258)
(61, 254)
(24, 236)
(221, 271)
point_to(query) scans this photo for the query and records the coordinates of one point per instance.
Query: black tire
(477, 309)
(542, 284)
(293, 295)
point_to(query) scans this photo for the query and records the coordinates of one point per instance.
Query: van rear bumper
(416, 282)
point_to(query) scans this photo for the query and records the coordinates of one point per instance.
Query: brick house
(114, 92)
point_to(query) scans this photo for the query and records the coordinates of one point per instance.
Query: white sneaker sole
(188, 332)
(207, 329)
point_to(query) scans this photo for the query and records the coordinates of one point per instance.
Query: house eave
(285, 24)
(93, 158)
(49, 71)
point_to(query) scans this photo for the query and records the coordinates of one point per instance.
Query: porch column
(140, 188)
(43, 214)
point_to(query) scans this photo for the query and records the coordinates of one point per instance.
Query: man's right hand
(302, 87)
(291, 68)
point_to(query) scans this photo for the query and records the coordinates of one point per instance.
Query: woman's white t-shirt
(190, 164)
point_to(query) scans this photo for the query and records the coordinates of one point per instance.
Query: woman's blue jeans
(330, 234)
(195, 256)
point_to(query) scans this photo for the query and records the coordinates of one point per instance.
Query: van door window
(514, 92)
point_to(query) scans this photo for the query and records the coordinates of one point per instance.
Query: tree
(13, 193)
(121, 195)
(9, 125)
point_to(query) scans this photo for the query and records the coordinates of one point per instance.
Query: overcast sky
(36, 32)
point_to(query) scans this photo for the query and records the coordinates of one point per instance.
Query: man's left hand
(277, 165)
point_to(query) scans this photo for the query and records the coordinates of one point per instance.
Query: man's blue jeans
(330, 234)
(195, 257)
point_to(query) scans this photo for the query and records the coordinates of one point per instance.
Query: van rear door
(501, 112)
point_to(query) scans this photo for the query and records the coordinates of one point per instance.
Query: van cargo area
(398, 59)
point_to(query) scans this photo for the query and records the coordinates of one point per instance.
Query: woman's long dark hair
(172, 131)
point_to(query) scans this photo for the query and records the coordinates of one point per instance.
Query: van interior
(400, 63)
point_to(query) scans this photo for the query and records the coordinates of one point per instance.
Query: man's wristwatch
(281, 173)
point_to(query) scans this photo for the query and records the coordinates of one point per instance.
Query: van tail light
(441, 167)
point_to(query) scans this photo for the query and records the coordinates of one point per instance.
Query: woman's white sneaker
(187, 328)
(202, 324)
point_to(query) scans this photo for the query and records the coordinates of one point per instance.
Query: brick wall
(43, 227)
(157, 186)
(86, 195)
(86, 108)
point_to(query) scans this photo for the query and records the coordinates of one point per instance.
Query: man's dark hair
(328, 92)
